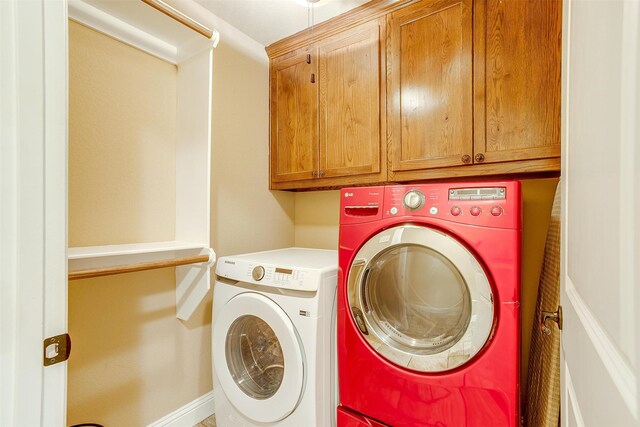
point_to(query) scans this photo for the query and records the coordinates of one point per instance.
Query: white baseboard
(190, 414)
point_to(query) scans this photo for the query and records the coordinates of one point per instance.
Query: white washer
(273, 339)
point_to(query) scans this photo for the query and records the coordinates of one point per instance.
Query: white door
(33, 209)
(601, 213)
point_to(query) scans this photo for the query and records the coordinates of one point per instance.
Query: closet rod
(174, 13)
(108, 271)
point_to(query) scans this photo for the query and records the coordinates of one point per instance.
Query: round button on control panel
(257, 273)
(475, 211)
(496, 211)
(456, 211)
(414, 200)
(393, 210)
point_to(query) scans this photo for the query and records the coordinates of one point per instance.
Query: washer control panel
(268, 275)
(277, 276)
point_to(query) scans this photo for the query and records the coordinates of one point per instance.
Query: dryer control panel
(489, 204)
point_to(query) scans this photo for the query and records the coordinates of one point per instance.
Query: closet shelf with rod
(182, 33)
(193, 259)
(96, 261)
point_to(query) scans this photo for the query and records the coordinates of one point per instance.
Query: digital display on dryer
(487, 193)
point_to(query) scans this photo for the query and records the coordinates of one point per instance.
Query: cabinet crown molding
(368, 11)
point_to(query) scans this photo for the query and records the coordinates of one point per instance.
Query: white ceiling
(267, 21)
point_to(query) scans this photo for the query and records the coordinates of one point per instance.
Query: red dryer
(428, 305)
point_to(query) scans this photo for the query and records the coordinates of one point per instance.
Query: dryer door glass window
(420, 298)
(254, 357)
(417, 298)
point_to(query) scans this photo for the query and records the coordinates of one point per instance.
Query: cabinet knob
(466, 159)
(321, 174)
(314, 174)
(479, 158)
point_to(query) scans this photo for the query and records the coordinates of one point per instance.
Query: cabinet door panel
(430, 85)
(517, 73)
(350, 106)
(294, 122)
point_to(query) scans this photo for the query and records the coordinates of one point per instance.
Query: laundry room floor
(208, 422)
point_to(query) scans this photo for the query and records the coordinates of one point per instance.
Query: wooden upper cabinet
(418, 89)
(330, 132)
(294, 118)
(351, 106)
(430, 79)
(517, 79)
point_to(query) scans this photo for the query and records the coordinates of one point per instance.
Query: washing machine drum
(258, 358)
(420, 298)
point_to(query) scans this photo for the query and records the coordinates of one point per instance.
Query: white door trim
(571, 400)
(33, 230)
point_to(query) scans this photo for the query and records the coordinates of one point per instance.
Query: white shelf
(89, 257)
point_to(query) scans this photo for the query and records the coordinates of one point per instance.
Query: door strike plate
(56, 349)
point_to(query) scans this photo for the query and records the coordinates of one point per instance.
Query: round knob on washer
(475, 211)
(414, 200)
(257, 273)
(455, 210)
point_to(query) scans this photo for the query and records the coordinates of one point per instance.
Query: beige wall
(245, 215)
(121, 151)
(317, 217)
(316, 225)
(133, 362)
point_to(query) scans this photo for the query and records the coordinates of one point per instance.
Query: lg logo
(348, 194)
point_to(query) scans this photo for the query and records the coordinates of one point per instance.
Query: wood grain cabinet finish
(517, 57)
(330, 133)
(350, 103)
(294, 118)
(419, 89)
(430, 85)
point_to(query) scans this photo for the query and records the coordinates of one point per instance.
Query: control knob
(475, 210)
(496, 211)
(257, 273)
(414, 200)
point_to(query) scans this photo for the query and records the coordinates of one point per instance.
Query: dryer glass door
(420, 298)
(417, 298)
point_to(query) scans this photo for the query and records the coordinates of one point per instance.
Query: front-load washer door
(258, 358)
(420, 298)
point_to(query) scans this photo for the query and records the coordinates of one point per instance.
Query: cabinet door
(430, 85)
(517, 79)
(351, 107)
(294, 119)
